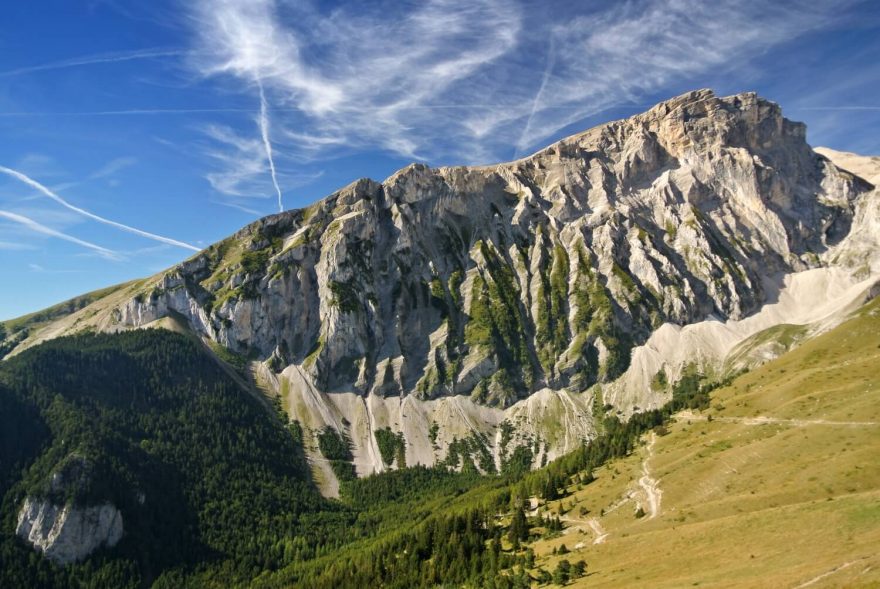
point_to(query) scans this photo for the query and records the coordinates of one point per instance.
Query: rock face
(66, 534)
(866, 167)
(496, 282)
(476, 309)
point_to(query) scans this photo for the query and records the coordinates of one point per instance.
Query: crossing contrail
(264, 131)
(34, 184)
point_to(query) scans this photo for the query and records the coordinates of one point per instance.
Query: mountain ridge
(517, 293)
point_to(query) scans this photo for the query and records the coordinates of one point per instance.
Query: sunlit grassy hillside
(777, 484)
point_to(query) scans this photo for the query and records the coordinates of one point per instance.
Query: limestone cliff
(65, 533)
(472, 309)
(62, 529)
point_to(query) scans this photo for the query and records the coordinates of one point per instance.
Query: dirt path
(597, 528)
(599, 533)
(764, 420)
(625, 498)
(650, 485)
(836, 569)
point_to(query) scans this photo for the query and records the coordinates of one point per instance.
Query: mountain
(451, 316)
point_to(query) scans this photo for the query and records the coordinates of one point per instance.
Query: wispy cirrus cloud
(238, 207)
(240, 162)
(352, 72)
(15, 246)
(241, 171)
(44, 230)
(122, 112)
(112, 167)
(107, 171)
(634, 48)
(473, 79)
(83, 212)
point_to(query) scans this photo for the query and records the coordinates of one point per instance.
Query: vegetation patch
(344, 296)
(496, 321)
(333, 445)
(552, 330)
(392, 446)
(237, 361)
(336, 448)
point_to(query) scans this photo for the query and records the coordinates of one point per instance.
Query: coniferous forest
(215, 491)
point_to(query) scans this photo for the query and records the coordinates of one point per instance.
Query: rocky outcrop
(65, 529)
(66, 533)
(860, 250)
(469, 298)
(866, 167)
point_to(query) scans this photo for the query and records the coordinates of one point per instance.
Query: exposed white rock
(817, 299)
(867, 167)
(66, 534)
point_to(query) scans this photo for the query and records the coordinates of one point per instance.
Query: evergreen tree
(562, 573)
(519, 527)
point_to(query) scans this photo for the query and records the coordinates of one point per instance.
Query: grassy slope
(61, 309)
(746, 504)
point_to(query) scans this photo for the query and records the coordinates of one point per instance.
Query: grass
(237, 361)
(61, 309)
(751, 505)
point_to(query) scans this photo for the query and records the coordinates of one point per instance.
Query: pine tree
(519, 528)
(562, 574)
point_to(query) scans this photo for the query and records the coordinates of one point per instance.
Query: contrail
(264, 131)
(93, 59)
(843, 107)
(34, 184)
(39, 228)
(131, 111)
(551, 61)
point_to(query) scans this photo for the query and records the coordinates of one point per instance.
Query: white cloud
(15, 246)
(238, 207)
(241, 167)
(112, 167)
(471, 79)
(241, 163)
(358, 76)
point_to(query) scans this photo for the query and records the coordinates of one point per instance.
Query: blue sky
(136, 131)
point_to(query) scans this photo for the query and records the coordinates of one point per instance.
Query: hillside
(141, 444)
(776, 484)
(862, 166)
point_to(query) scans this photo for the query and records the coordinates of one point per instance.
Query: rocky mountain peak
(392, 304)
